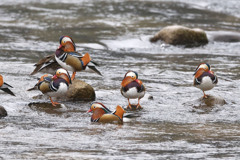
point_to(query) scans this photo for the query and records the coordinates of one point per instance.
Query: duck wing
(5, 88)
(47, 62)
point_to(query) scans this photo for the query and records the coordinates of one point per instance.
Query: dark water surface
(116, 35)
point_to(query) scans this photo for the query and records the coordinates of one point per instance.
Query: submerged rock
(47, 107)
(3, 112)
(211, 101)
(134, 108)
(180, 35)
(206, 104)
(223, 36)
(80, 91)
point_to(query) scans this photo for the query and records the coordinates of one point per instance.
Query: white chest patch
(133, 94)
(206, 84)
(64, 65)
(62, 90)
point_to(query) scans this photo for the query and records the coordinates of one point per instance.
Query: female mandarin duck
(132, 88)
(54, 86)
(67, 57)
(103, 114)
(204, 78)
(5, 87)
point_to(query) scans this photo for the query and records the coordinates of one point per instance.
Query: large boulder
(80, 91)
(3, 112)
(180, 35)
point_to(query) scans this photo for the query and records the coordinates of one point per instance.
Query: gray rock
(3, 112)
(180, 35)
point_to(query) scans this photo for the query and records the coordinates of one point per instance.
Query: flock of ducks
(67, 59)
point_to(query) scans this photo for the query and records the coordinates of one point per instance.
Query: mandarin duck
(5, 87)
(67, 58)
(204, 78)
(132, 88)
(104, 115)
(54, 86)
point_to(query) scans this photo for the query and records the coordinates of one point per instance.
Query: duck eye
(94, 106)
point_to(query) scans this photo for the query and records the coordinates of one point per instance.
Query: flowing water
(116, 33)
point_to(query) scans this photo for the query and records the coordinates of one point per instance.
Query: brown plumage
(104, 115)
(44, 61)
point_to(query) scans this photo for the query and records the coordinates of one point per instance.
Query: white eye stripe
(97, 106)
(59, 71)
(204, 66)
(66, 39)
(131, 74)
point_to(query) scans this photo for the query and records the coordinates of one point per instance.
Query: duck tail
(86, 59)
(119, 111)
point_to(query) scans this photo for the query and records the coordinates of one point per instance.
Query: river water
(116, 35)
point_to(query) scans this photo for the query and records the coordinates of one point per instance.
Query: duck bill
(138, 81)
(89, 111)
(54, 77)
(60, 46)
(211, 72)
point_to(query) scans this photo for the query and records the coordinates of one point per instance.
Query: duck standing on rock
(54, 86)
(104, 115)
(66, 57)
(132, 88)
(204, 78)
(5, 87)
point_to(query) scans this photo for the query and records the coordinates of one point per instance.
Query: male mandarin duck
(66, 57)
(204, 78)
(54, 86)
(104, 115)
(132, 88)
(5, 87)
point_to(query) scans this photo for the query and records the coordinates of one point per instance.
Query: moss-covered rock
(3, 112)
(180, 35)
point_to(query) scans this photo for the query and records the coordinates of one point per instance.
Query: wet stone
(134, 108)
(225, 37)
(150, 97)
(211, 101)
(180, 35)
(47, 107)
(3, 112)
(206, 104)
